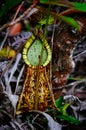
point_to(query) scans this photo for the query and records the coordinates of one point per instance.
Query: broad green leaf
(68, 118)
(79, 6)
(59, 101)
(8, 4)
(70, 21)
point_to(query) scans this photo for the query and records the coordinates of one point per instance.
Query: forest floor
(66, 72)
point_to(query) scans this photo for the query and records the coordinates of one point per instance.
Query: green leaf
(45, 1)
(76, 5)
(64, 108)
(8, 5)
(68, 118)
(79, 6)
(57, 2)
(44, 21)
(77, 79)
(59, 101)
(70, 21)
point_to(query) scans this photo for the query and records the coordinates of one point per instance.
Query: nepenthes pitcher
(35, 94)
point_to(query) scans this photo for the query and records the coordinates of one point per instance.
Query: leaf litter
(73, 88)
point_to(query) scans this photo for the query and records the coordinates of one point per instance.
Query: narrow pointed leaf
(70, 21)
(59, 101)
(79, 6)
(57, 2)
(68, 118)
(64, 108)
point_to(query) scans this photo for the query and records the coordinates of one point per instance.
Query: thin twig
(6, 113)
(8, 87)
(79, 54)
(7, 33)
(20, 74)
(18, 10)
(19, 18)
(18, 125)
(13, 69)
(69, 11)
(4, 40)
(50, 85)
(69, 85)
(52, 43)
(39, 125)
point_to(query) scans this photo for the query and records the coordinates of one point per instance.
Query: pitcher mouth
(27, 48)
